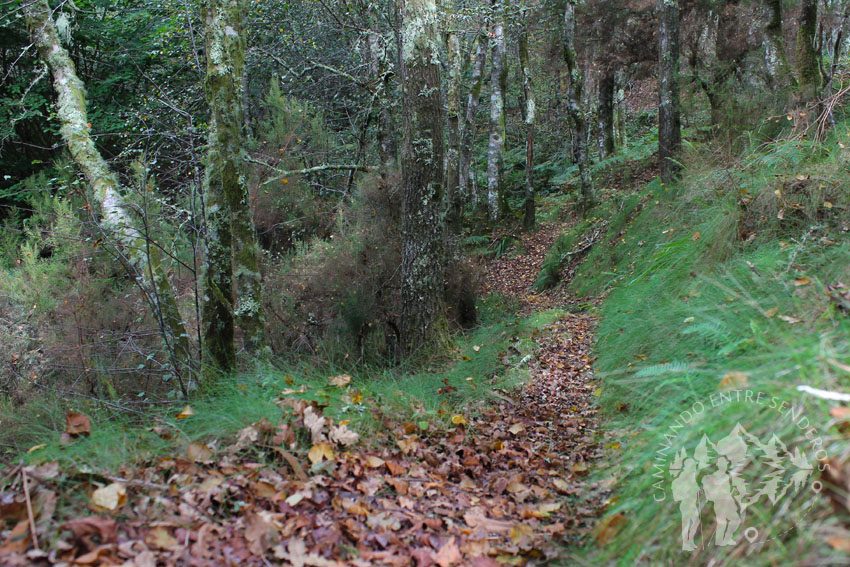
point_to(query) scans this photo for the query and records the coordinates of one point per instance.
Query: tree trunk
(669, 121)
(576, 108)
(777, 60)
(423, 318)
(387, 149)
(496, 198)
(136, 250)
(807, 56)
(453, 197)
(528, 115)
(607, 89)
(467, 135)
(232, 248)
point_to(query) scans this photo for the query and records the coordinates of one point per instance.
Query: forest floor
(505, 487)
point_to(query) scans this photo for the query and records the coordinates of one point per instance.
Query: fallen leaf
(109, 497)
(517, 428)
(459, 420)
(580, 468)
(340, 381)
(185, 412)
(374, 462)
(733, 380)
(608, 527)
(319, 452)
(77, 424)
(448, 555)
(562, 485)
(476, 348)
(771, 312)
(160, 538)
(801, 281)
(315, 423)
(839, 543)
(342, 435)
(18, 540)
(199, 452)
(261, 533)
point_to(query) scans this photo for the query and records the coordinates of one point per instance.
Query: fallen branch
(825, 394)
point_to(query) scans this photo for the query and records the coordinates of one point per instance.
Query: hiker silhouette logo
(716, 483)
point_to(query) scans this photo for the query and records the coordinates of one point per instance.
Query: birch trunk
(423, 318)
(467, 135)
(777, 60)
(669, 121)
(232, 249)
(575, 107)
(496, 199)
(116, 218)
(528, 116)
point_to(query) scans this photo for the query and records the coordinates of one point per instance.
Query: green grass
(700, 283)
(475, 368)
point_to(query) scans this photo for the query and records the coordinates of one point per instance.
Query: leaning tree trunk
(232, 248)
(423, 317)
(467, 128)
(496, 198)
(453, 197)
(669, 125)
(576, 109)
(135, 250)
(528, 115)
(807, 56)
(607, 89)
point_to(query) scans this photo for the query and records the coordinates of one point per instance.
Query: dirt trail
(506, 488)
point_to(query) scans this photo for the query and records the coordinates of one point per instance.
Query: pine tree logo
(713, 474)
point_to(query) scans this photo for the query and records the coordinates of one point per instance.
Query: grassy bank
(715, 285)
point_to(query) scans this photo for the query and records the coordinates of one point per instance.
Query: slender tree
(576, 107)
(496, 198)
(454, 66)
(528, 116)
(607, 92)
(669, 121)
(139, 255)
(381, 75)
(423, 317)
(232, 248)
(467, 126)
(777, 60)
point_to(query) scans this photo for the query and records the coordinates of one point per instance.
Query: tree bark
(467, 135)
(669, 121)
(387, 148)
(607, 89)
(454, 202)
(116, 217)
(423, 317)
(496, 198)
(529, 117)
(576, 107)
(232, 249)
(807, 56)
(777, 60)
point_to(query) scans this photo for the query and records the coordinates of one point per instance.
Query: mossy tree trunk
(777, 60)
(467, 127)
(528, 117)
(423, 317)
(669, 120)
(607, 91)
(233, 254)
(379, 72)
(806, 53)
(576, 107)
(496, 197)
(139, 254)
(454, 202)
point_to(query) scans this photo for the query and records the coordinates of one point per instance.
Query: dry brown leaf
(319, 452)
(160, 538)
(340, 381)
(374, 462)
(342, 435)
(608, 527)
(517, 428)
(77, 424)
(186, 412)
(801, 281)
(199, 452)
(449, 554)
(733, 380)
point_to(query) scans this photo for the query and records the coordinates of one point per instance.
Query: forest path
(506, 487)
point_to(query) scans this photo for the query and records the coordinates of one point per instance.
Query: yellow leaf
(320, 451)
(35, 448)
(110, 497)
(696, 236)
(827, 205)
(771, 312)
(801, 281)
(374, 462)
(340, 381)
(459, 420)
(520, 533)
(580, 468)
(186, 412)
(733, 380)
(498, 445)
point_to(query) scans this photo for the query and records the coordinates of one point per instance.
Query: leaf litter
(507, 486)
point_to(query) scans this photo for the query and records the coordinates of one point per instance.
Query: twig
(30, 515)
